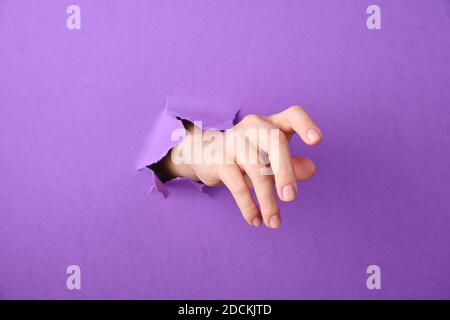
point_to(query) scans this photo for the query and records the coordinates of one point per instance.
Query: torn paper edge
(212, 115)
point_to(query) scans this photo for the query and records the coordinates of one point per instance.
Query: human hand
(207, 156)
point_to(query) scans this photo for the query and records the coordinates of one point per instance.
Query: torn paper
(167, 131)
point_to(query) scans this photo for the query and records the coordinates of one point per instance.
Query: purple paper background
(75, 107)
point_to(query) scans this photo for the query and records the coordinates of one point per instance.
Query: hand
(234, 168)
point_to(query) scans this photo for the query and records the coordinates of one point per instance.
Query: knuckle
(240, 188)
(296, 108)
(257, 177)
(286, 173)
(270, 208)
(250, 210)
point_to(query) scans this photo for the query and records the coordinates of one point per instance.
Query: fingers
(296, 119)
(287, 170)
(281, 164)
(233, 178)
(275, 143)
(304, 169)
(263, 186)
(239, 185)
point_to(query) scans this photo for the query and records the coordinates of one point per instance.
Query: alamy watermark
(73, 281)
(374, 280)
(253, 146)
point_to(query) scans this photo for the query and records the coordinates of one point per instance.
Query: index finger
(296, 120)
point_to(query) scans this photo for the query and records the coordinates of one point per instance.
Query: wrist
(179, 170)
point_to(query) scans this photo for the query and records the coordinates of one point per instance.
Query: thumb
(304, 168)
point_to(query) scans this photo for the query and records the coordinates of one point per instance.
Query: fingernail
(274, 221)
(313, 135)
(256, 221)
(288, 192)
